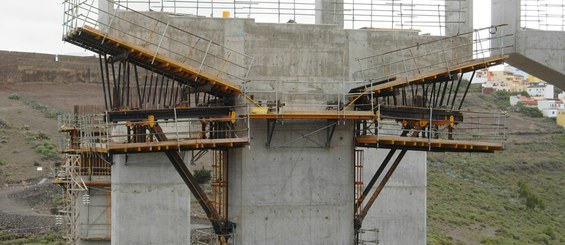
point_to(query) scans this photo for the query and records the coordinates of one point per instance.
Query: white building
(541, 90)
(550, 113)
(550, 104)
(551, 108)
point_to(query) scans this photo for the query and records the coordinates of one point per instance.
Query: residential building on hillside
(541, 89)
(526, 101)
(509, 79)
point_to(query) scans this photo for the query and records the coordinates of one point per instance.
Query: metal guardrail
(96, 134)
(282, 96)
(477, 126)
(439, 53)
(152, 33)
(547, 15)
(428, 15)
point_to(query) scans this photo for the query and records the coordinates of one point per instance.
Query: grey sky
(36, 25)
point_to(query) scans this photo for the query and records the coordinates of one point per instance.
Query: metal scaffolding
(428, 15)
(547, 15)
(73, 186)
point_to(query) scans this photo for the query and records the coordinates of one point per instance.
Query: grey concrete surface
(459, 17)
(537, 52)
(302, 194)
(150, 202)
(399, 213)
(296, 193)
(329, 12)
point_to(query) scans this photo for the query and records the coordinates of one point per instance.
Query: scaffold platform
(443, 74)
(426, 144)
(105, 43)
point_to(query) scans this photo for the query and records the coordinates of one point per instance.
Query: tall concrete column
(329, 12)
(150, 202)
(506, 12)
(293, 193)
(399, 213)
(106, 8)
(538, 52)
(458, 17)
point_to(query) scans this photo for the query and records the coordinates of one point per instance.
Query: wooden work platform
(424, 144)
(87, 183)
(432, 76)
(102, 43)
(187, 144)
(313, 115)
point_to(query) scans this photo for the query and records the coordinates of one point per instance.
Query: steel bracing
(169, 90)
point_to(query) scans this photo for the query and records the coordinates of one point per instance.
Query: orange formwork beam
(433, 75)
(99, 42)
(425, 144)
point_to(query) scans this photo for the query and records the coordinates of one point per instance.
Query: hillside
(512, 197)
(472, 198)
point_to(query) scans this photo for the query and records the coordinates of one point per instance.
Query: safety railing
(427, 15)
(99, 135)
(547, 15)
(281, 96)
(159, 34)
(471, 126)
(437, 55)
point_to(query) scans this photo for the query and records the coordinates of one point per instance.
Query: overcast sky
(36, 25)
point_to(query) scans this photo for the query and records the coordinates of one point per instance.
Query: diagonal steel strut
(358, 221)
(221, 227)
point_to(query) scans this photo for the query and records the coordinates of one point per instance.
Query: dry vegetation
(512, 197)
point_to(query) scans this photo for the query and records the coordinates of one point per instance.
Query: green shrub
(57, 199)
(53, 238)
(3, 123)
(532, 200)
(529, 111)
(202, 175)
(49, 112)
(47, 148)
(14, 96)
(549, 231)
(52, 113)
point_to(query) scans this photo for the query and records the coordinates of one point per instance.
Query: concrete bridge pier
(150, 202)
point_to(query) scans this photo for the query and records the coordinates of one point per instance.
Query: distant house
(550, 108)
(550, 113)
(529, 102)
(488, 90)
(541, 90)
(550, 104)
(509, 79)
(561, 119)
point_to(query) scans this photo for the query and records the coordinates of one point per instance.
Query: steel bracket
(330, 132)
(271, 123)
